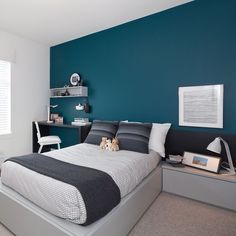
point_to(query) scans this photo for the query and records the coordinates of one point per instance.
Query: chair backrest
(38, 131)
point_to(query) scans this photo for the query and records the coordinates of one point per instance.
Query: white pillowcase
(158, 137)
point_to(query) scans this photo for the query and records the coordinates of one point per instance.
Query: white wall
(29, 92)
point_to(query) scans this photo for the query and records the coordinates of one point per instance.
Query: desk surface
(61, 125)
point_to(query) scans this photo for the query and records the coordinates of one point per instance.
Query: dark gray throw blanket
(99, 191)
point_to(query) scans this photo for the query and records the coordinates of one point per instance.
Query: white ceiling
(56, 21)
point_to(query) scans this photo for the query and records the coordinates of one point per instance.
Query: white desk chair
(46, 140)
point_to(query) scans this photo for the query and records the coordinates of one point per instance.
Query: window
(5, 97)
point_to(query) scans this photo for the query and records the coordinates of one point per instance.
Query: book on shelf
(79, 123)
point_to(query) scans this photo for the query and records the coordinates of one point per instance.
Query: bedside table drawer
(202, 188)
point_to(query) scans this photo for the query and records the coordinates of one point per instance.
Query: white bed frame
(24, 218)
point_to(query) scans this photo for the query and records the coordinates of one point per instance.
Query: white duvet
(126, 168)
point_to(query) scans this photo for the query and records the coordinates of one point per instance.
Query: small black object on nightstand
(175, 160)
(177, 164)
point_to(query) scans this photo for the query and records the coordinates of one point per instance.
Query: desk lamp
(215, 146)
(50, 106)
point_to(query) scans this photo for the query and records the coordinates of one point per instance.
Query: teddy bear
(103, 143)
(108, 144)
(115, 144)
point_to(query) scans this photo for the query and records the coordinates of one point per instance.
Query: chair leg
(40, 148)
(58, 146)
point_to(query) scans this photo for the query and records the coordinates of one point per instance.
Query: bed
(24, 218)
(43, 212)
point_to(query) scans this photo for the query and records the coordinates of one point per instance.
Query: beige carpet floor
(171, 215)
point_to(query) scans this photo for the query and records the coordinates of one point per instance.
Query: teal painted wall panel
(133, 71)
(68, 136)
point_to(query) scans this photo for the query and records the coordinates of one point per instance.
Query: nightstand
(215, 189)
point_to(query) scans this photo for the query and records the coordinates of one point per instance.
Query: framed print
(209, 163)
(54, 116)
(201, 106)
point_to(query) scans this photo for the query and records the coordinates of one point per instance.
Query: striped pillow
(134, 136)
(101, 129)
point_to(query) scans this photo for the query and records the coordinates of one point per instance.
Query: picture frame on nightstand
(200, 161)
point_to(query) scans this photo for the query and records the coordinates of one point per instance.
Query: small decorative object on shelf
(209, 163)
(75, 79)
(66, 93)
(54, 116)
(59, 120)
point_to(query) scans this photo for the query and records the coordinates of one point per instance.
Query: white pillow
(158, 137)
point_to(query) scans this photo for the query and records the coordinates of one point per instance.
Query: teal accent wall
(133, 71)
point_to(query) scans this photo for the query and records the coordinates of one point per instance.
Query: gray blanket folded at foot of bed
(99, 191)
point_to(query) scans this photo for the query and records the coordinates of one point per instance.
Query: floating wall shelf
(76, 91)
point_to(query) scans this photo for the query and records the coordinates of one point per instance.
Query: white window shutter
(5, 97)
